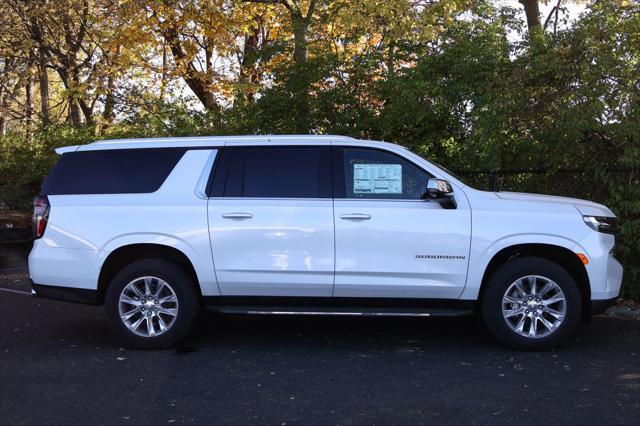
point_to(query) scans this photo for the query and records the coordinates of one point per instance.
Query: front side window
(377, 174)
(273, 172)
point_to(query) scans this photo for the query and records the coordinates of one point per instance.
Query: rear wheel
(531, 303)
(151, 304)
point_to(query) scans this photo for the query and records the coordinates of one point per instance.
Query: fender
(481, 256)
(202, 263)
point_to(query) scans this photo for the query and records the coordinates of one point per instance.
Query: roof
(217, 141)
(198, 141)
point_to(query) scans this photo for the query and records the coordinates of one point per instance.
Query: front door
(389, 241)
(271, 221)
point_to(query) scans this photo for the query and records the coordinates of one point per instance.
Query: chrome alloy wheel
(148, 306)
(534, 306)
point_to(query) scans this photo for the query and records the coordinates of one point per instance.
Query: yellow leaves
(395, 20)
(206, 38)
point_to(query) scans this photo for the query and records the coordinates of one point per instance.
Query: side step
(340, 311)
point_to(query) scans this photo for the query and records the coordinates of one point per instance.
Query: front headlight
(607, 225)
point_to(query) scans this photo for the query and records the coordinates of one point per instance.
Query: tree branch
(311, 10)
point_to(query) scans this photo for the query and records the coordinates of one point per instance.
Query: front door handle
(237, 215)
(355, 216)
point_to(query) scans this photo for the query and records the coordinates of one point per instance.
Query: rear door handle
(355, 216)
(237, 215)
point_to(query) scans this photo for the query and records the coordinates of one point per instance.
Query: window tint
(111, 171)
(273, 172)
(376, 174)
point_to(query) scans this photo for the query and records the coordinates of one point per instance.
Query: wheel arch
(560, 255)
(127, 254)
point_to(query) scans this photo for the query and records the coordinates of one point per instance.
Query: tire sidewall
(181, 284)
(502, 278)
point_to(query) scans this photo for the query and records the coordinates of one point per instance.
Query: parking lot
(59, 364)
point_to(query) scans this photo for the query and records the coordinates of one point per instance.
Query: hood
(584, 207)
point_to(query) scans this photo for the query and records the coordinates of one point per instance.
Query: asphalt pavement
(59, 364)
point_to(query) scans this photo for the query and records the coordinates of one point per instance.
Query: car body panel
(585, 207)
(501, 221)
(285, 249)
(406, 248)
(172, 216)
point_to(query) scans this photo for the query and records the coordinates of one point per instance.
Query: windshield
(444, 169)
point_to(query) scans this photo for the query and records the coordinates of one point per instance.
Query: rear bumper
(67, 294)
(63, 267)
(69, 275)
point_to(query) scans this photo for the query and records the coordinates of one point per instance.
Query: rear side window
(273, 172)
(116, 171)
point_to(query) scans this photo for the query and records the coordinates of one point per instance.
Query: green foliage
(25, 161)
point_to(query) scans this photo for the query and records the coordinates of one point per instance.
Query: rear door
(389, 241)
(271, 221)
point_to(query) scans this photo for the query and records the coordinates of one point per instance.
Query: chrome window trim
(269, 199)
(318, 199)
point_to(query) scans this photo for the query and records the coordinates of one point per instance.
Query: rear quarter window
(130, 171)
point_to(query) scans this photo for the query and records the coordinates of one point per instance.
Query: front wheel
(531, 303)
(151, 304)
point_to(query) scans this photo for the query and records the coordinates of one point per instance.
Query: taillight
(41, 209)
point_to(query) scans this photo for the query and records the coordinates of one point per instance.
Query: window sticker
(377, 179)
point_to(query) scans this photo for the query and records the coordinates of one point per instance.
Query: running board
(338, 311)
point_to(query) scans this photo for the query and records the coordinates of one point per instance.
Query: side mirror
(439, 188)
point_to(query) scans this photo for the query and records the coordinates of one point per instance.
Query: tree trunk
(301, 84)
(163, 84)
(37, 34)
(300, 50)
(249, 76)
(29, 108)
(3, 126)
(87, 111)
(70, 85)
(391, 69)
(43, 80)
(196, 83)
(532, 10)
(74, 112)
(109, 113)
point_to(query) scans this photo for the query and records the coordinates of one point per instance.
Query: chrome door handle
(237, 215)
(355, 216)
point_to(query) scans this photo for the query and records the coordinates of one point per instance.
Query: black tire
(183, 287)
(499, 282)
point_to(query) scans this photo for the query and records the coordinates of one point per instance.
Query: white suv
(323, 225)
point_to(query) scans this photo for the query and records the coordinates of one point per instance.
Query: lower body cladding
(67, 294)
